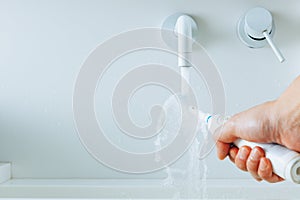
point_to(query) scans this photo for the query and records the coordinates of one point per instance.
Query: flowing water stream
(188, 174)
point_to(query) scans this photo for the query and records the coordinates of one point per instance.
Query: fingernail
(255, 155)
(243, 154)
(263, 164)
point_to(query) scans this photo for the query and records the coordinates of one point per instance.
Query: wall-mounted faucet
(180, 34)
(184, 31)
(256, 28)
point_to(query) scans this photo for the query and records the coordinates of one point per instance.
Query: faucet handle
(256, 28)
(274, 47)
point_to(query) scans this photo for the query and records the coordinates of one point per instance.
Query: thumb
(252, 125)
(227, 132)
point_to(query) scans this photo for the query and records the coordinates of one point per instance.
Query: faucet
(184, 28)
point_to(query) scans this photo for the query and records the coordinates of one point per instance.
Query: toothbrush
(285, 162)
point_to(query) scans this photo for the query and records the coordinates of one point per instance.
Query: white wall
(44, 43)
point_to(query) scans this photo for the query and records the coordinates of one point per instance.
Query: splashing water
(188, 174)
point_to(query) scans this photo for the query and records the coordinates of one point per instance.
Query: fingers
(233, 151)
(266, 173)
(242, 157)
(222, 150)
(255, 162)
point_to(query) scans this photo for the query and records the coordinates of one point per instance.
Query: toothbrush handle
(285, 162)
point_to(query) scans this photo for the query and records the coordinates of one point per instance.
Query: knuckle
(266, 175)
(241, 165)
(252, 165)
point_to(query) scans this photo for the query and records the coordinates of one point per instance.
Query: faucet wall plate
(256, 28)
(243, 33)
(168, 30)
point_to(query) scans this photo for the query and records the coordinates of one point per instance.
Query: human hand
(272, 122)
